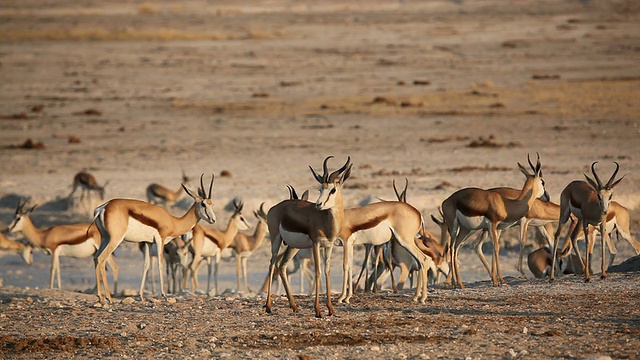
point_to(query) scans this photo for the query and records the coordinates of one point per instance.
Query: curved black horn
(615, 172)
(261, 211)
(344, 167)
(396, 190)
(595, 175)
(210, 186)
(404, 192)
(538, 165)
(292, 192)
(202, 183)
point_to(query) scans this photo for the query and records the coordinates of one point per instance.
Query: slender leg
(524, 223)
(587, 261)
(238, 270)
(282, 267)
(54, 268)
(161, 270)
(346, 270)
(145, 269)
(603, 239)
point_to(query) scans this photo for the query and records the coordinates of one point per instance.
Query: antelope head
(204, 207)
(331, 184)
(241, 222)
(604, 192)
(19, 217)
(537, 182)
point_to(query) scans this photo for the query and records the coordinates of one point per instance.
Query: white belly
(296, 240)
(82, 250)
(376, 235)
(209, 248)
(139, 232)
(472, 222)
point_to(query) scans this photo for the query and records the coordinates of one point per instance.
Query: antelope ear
(524, 170)
(346, 174)
(189, 192)
(617, 181)
(305, 195)
(591, 182)
(436, 220)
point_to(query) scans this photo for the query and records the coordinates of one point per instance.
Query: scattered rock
(128, 300)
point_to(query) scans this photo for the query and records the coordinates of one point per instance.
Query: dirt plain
(446, 93)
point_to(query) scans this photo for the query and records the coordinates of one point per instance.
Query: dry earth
(446, 93)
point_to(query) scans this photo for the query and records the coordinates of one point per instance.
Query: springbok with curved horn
(300, 224)
(471, 209)
(161, 195)
(589, 203)
(138, 221)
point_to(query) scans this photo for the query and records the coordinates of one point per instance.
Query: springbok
(25, 251)
(138, 221)
(471, 209)
(175, 256)
(539, 262)
(617, 219)
(244, 245)
(208, 242)
(73, 240)
(302, 224)
(87, 183)
(589, 203)
(161, 195)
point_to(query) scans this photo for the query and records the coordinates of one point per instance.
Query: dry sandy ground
(134, 92)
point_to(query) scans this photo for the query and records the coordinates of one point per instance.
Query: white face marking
(327, 198)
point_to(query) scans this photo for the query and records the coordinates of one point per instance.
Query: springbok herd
(394, 229)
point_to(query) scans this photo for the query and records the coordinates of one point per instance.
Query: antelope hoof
(603, 276)
(268, 308)
(587, 279)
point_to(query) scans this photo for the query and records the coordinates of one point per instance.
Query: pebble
(128, 300)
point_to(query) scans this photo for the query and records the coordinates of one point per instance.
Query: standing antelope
(243, 246)
(471, 209)
(301, 224)
(160, 195)
(617, 219)
(138, 221)
(377, 224)
(73, 240)
(87, 183)
(25, 251)
(589, 202)
(208, 242)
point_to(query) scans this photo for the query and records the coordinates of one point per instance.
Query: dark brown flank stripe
(77, 240)
(143, 219)
(215, 241)
(369, 224)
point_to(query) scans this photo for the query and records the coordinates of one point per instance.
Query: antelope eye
(203, 204)
(333, 191)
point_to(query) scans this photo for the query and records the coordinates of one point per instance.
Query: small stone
(128, 300)
(171, 300)
(525, 330)
(97, 305)
(512, 353)
(375, 348)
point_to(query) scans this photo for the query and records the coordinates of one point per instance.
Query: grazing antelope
(471, 209)
(87, 183)
(300, 224)
(25, 251)
(160, 195)
(539, 262)
(243, 246)
(617, 219)
(138, 221)
(376, 224)
(589, 202)
(208, 242)
(73, 240)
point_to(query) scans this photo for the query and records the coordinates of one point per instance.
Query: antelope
(589, 202)
(138, 221)
(540, 215)
(87, 183)
(300, 262)
(539, 262)
(160, 195)
(25, 251)
(471, 209)
(300, 224)
(208, 242)
(176, 254)
(243, 246)
(617, 219)
(73, 240)
(376, 224)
